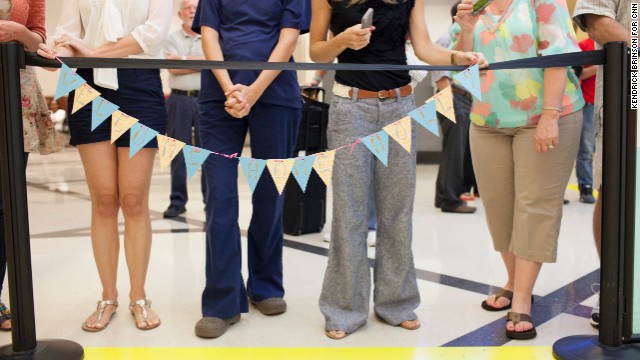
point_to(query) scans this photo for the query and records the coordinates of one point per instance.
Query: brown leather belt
(460, 91)
(382, 94)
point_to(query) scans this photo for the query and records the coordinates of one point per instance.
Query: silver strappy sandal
(102, 305)
(143, 304)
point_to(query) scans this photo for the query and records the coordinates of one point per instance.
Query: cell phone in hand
(480, 5)
(367, 19)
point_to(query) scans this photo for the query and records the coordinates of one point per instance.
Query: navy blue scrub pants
(273, 131)
(183, 117)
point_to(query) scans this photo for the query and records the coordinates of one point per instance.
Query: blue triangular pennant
(252, 170)
(67, 82)
(101, 109)
(378, 143)
(302, 170)
(470, 80)
(139, 136)
(426, 116)
(194, 157)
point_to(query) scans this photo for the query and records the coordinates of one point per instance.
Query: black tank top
(387, 45)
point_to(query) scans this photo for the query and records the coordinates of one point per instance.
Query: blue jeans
(584, 160)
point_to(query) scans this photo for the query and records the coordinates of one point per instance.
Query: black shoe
(586, 195)
(462, 209)
(174, 211)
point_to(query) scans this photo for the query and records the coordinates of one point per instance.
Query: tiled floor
(455, 263)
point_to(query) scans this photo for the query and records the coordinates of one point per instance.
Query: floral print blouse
(528, 28)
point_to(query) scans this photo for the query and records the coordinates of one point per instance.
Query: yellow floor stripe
(440, 353)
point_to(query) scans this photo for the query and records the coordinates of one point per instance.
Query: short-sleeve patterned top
(528, 28)
(250, 32)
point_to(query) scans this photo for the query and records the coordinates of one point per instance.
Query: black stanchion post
(16, 221)
(617, 223)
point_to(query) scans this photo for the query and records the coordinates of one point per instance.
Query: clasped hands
(240, 100)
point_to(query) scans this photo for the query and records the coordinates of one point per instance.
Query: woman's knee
(134, 204)
(106, 205)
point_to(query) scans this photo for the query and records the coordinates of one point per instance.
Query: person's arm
(172, 56)
(431, 53)
(467, 24)
(324, 50)
(555, 80)
(317, 78)
(281, 53)
(213, 52)
(603, 29)
(588, 72)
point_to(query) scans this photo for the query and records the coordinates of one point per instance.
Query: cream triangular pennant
(82, 96)
(168, 148)
(120, 123)
(444, 103)
(400, 131)
(280, 169)
(324, 165)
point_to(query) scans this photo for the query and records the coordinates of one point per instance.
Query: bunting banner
(194, 157)
(120, 123)
(101, 109)
(168, 148)
(302, 170)
(67, 82)
(444, 103)
(378, 143)
(470, 80)
(252, 168)
(324, 165)
(83, 95)
(400, 131)
(280, 169)
(140, 136)
(426, 116)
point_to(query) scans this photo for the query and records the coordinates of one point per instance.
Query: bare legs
(115, 182)
(522, 275)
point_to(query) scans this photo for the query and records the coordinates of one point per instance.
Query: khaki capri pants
(522, 191)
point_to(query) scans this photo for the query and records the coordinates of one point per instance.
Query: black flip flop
(502, 293)
(516, 318)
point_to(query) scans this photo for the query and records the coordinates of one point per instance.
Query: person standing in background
(183, 118)
(22, 21)
(584, 161)
(455, 159)
(604, 21)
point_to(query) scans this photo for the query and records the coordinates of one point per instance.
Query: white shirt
(183, 44)
(96, 22)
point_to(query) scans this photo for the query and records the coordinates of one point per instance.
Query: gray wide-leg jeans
(347, 285)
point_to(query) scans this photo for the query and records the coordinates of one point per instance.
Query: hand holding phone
(480, 5)
(367, 19)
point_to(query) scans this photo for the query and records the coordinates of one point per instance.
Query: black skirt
(139, 95)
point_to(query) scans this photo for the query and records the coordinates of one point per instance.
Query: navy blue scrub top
(249, 31)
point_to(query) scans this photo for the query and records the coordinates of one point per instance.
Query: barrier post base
(587, 347)
(50, 349)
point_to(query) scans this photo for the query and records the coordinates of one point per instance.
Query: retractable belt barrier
(12, 58)
(571, 59)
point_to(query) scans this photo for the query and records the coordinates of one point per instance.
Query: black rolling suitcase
(305, 212)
